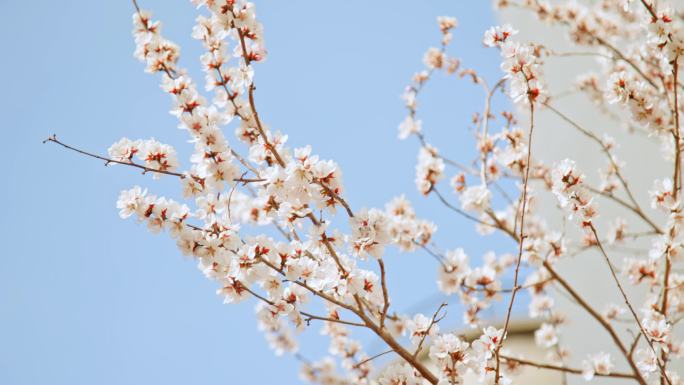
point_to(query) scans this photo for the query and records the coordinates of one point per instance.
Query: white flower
(445, 345)
(599, 363)
(158, 156)
(434, 58)
(646, 361)
(366, 284)
(405, 229)
(209, 206)
(487, 343)
(661, 195)
(540, 305)
(521, 63)
(409, 126)
(369, 232)
(450, 354)
(124, 150)
(484, 278)
(446, 23)
(546, 336)
(282, 342)
(130, 201)
(420, 327)
(656, 326)
(498, 35)
(429, 170)
(452, 274)
(638, 270)
(568, 188)
(476, 198)
(612, 311)
(399, 373)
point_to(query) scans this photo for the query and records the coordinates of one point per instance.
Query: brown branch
(677, 168)
(637, 210)
(385, 295)
(675, 192)
(635, 343)
(485, 124)
(650, 9)
(337, 197)
(382, 333)
(564, 369)
(472, 218)
(502, 226)
(107, 161)
(145, 169)
(439, 258)
(423, 370)
(607, 326)
(385, 335)
(622, 57)
(504, 291)
(581, 53)
(244, 162)
(329, 319)
(308, 316)
(309, 288)
(433, 321)
(252, 104)
(462, 167)
(627, 302)
(626, 205)
(521, 240)
(610, 47)
(372, 358)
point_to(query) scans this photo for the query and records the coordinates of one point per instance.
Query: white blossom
(599, 363)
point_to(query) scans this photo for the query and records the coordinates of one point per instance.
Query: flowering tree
(300, 260)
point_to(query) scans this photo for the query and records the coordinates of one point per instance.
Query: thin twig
(564, 369)
(385, 295)
(472, 218)
(521, 241)
(626, 299)
(433, 321)
(145, 169)
(372, 358)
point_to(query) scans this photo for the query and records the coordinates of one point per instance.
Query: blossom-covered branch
(236, 192)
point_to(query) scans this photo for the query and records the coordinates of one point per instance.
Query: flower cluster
(154, 155)
(369, 233)
(405, 229)
(572, 196)
(521, 63)
(429, 169)
(453, 357)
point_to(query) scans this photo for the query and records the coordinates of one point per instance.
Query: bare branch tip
(51, 138)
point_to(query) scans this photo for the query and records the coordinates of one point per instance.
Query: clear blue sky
(87, 298)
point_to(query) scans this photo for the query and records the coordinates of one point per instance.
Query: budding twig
(53, 139)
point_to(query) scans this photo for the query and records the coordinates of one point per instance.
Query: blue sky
(88, 298)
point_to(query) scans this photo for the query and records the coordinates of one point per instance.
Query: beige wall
(555, 140)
